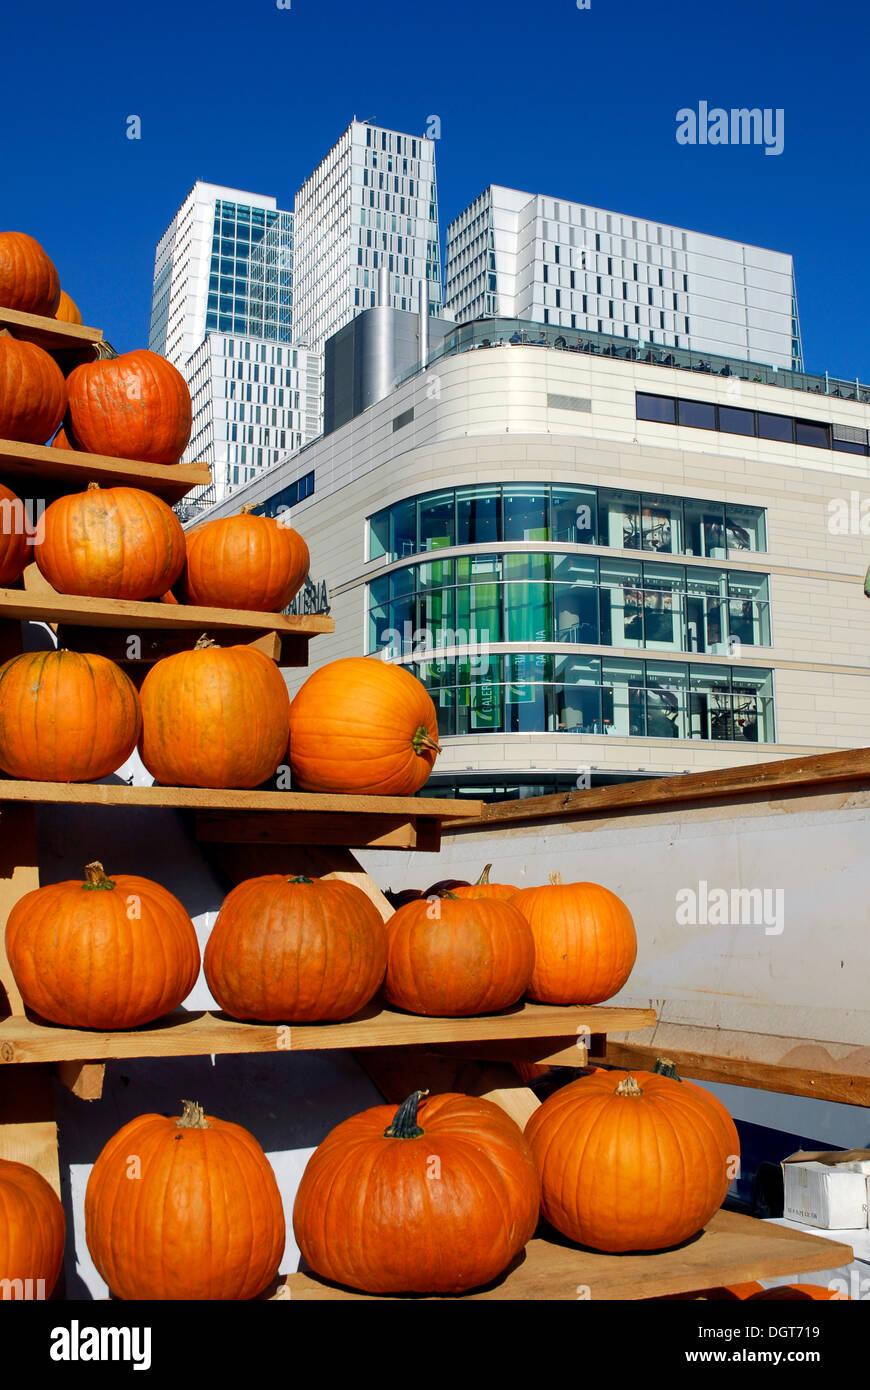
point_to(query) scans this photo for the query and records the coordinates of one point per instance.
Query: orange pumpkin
(585, 942)
(451, 959)
(245, 561)
(32, 392)
(60, 441)
(295, 949)
(29, 281)
(32, 1231)
(67, 310)
(135, 406)
(362, 725)
(65, 717)
(15, 552)
(111, 543)
(636, 1161)
(484, 889)
(438, 1200)
(199, 1218)
(214, 717)
(103, 953)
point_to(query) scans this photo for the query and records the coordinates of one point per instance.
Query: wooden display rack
(272, 831)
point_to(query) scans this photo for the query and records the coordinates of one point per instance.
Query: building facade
(522, 255)
(222, 310)
(372, 200)
(602, 564)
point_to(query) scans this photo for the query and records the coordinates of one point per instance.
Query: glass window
(697, 414)
(622, 698)
(660, 408)
(704, 528)
(621, 603)
(735, 421)
(813, 433)
(478, 515)
(577, 703)
(744, 527)
(528, 612)
(661, 523)
(436, 520)
(775, 427)
(526, 508)
(573, 516)
(665, 700)
(662, 606)
(620, 519)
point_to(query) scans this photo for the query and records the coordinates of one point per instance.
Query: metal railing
(488, 333)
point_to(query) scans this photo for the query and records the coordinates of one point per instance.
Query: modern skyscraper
(221, 309)
(372, 199)
(521, 255)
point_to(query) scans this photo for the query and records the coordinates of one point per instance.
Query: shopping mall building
(604, 558)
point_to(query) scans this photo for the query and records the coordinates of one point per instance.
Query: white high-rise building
(222, 314)
(517, 255)
(372, 200)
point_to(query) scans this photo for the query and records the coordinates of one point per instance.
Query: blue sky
(540, 96)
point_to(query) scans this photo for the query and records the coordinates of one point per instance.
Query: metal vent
(404, 419)
(556, 402)
(850, 433)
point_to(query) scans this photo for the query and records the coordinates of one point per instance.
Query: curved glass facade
(535, 692)
(487, 513)
(570, 598)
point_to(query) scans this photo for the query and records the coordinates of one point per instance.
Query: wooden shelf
(75, 470)
(47, 606)
(193, 1034)
(105, 626)
(733, 1249)
(47, 333)
(209, 799)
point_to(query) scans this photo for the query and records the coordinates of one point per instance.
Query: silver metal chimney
(383, 284)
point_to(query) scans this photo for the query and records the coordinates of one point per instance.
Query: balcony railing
(489, 333)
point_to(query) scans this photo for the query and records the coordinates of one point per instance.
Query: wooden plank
(76, 470)
(732, 1249)
(802, 774)
(19, 874)
(84, 1079)
(316, 828)
(569, 1051)
(811, 1077)
(47, 333)
(195, 1034)
(209, 799)
(43, 604)
(28, 1130)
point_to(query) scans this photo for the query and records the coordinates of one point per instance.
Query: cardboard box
(828, 1189)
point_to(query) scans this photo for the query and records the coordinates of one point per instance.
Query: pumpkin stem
(204, 641)
(404, 1124)
(248, 508)
(193, 1116)
(95, 876)
(665, 1067)
(93, 487)
(484, 877)
(423, 739)
(628, 1087)
(300, 878)
(556, 879)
